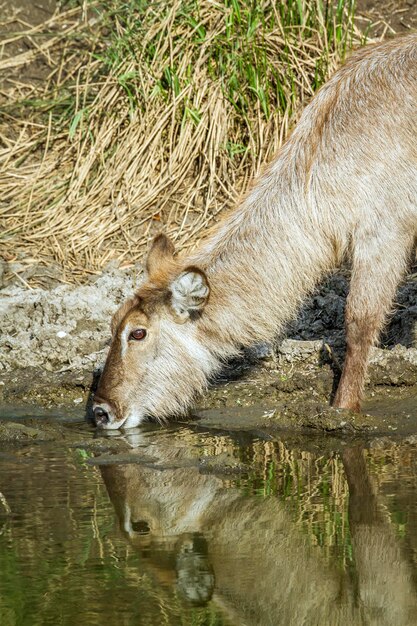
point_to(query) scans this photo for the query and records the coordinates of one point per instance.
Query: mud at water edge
(54, 341)
(277, 394)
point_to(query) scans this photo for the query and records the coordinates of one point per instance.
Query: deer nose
(101, 416)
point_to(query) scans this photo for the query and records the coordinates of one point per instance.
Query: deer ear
(161, 252)
(189, 293)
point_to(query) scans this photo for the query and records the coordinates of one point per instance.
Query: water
(197, 528)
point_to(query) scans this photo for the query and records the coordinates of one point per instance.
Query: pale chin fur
(133, 419)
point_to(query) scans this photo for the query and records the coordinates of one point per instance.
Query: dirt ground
(387, 17)
(53, 343)
(18, 16)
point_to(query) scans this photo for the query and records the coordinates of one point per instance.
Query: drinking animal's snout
(101, 414)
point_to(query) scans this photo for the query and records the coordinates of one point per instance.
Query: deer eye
(138, 334)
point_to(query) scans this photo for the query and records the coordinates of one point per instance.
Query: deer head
(157, 360)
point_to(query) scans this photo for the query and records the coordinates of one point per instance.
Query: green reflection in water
(194, 528)
(62, 558)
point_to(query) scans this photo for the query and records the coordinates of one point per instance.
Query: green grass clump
(155, 115)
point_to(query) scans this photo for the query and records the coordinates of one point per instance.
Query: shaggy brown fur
(343, 186)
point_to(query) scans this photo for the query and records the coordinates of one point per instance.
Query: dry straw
(150, 116)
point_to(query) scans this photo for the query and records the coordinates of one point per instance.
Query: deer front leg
(377, 267)
(360, 335)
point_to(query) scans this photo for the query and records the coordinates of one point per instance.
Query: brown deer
(343, 186)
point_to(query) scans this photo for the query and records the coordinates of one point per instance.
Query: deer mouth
(107, 418)
(104, 416)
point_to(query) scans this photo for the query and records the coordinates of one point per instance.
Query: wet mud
(265, 398)
(54, 342)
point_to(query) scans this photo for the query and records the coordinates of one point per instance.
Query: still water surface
(196, 528)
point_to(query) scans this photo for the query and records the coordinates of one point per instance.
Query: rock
(67, 325)
(295, 350)
(14, 431)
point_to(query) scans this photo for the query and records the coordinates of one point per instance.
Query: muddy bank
(54, 341)
(285, 391)
(63, 328)
(387, 418)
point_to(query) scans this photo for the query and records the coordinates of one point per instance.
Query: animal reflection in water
(247, 555)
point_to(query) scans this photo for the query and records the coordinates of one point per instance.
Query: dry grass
(153, 116)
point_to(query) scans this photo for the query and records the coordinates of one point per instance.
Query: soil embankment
(54, 341)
